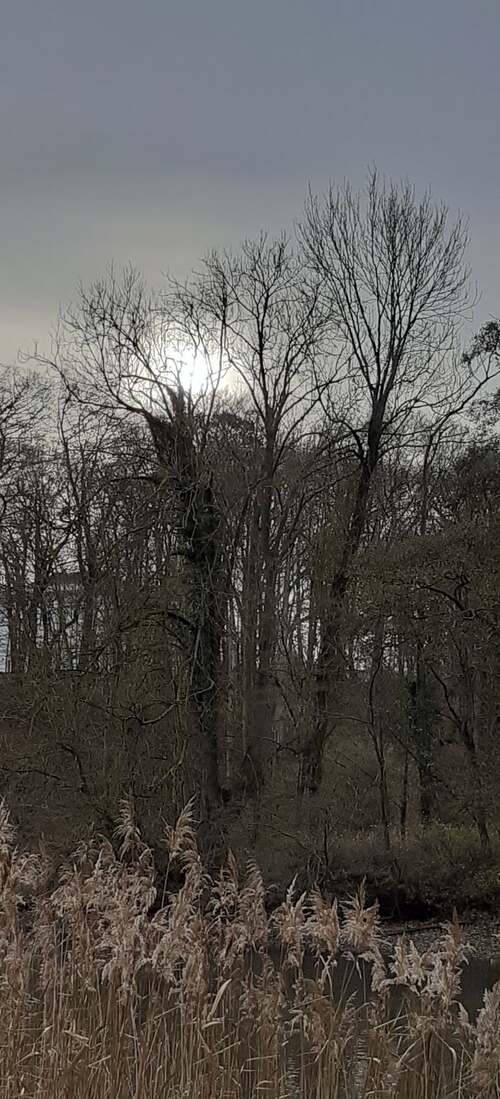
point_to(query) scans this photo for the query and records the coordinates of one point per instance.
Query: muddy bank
(405, 901)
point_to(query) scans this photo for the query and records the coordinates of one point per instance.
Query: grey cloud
(150, 131)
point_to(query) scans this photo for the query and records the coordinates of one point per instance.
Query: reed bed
(109, 990)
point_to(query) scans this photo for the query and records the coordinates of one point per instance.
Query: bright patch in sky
(194, 372)
(173, 369)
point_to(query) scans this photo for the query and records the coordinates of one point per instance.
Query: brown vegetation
(109, 989)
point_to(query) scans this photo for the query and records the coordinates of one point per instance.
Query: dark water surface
(482, 970)
(480, 973)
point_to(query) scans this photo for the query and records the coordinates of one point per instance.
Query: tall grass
(105, 994)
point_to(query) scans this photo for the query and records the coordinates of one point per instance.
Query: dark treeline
(277, 590)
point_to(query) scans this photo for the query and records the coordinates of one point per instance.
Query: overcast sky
(150, 130)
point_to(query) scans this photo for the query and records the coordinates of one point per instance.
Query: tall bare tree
(395, 285)
(119, 352)
(267, 318)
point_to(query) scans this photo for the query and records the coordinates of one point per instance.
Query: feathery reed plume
(322, 926)
(180, 839)
(127, 829)
(486, 1060)
(361, 928)
(7, 839)
(251, 920)
(224, 894)
(289, 922)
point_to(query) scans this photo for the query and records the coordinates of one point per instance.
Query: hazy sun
(177, 368)
(193, 371)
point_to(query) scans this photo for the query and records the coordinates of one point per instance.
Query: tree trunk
(326, 677)
(260, 733)
(329, 658)
(376, 729)
(204, 687)
(199, 529)
(403, 815)
(478, 808)
(87, 629)
(422, 723)
(248, 780)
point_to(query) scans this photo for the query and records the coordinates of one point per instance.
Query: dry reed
(104, 997)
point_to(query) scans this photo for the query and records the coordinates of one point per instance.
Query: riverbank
(425, 876)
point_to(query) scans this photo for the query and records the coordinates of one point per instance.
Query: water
(483, 968)
(481, 973)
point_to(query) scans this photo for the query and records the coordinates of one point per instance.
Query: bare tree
(267, 318)
(394, 282)
(23, 407)
(118, 352)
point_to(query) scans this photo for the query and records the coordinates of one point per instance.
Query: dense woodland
(278, 591)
